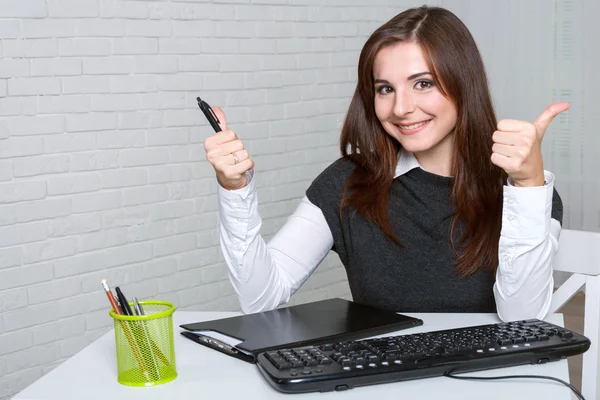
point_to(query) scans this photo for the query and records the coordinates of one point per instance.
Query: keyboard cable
(490, 378)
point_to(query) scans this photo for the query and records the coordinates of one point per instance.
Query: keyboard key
(282, 365)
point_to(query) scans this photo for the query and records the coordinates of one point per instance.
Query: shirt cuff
(239, 208)
(243, 193)
(527, 211)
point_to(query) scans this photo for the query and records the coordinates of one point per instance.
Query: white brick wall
(102, 167)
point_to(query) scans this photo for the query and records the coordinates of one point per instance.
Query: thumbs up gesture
(517, 146)
(227, 155)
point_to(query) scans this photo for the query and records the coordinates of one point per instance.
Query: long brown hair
(458, 72)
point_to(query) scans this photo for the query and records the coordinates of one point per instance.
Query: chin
(414, 146)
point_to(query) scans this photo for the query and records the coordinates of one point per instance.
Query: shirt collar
(406, 162)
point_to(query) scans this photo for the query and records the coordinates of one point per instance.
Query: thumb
(542, 122)
(221, 117)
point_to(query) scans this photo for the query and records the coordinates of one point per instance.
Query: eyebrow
(413, 76)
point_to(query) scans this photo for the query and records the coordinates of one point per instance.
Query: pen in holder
(145, 345)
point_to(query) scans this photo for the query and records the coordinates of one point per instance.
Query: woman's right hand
(227, 155)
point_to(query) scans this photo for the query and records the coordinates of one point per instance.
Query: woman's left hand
(517, 146)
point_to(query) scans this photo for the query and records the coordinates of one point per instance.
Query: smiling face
(411, 108)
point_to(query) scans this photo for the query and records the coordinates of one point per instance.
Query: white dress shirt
(265, 275)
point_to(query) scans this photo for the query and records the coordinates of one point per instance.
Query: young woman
(434, 206)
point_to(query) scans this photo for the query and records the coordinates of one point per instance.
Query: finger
(513, 125)
(219, 138)
(221, 117)
(241, 155)
(221, 154)
(231, 147)
(511, 138)
(504, 162)
(508, 150)
(542, 122)
(237, 170)
(245, 165)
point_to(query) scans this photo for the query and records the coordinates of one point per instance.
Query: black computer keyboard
(344, 365)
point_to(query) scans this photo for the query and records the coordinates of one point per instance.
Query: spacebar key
(443, 358)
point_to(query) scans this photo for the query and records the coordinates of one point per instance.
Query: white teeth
(414, 126)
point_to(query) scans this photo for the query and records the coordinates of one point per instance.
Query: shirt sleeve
(531, 224)
(265, 275)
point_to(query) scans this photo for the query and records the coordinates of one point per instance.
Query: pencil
(130, 339)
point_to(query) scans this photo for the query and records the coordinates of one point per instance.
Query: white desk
(206, 374)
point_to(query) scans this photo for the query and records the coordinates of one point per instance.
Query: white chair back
(579, 254)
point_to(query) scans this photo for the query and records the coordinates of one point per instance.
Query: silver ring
(235, 158)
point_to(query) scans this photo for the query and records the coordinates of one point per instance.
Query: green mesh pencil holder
(145, 345)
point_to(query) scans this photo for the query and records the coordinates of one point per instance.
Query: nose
(404, 103)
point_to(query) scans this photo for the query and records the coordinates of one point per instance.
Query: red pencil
(111, 298)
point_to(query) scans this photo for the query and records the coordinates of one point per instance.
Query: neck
(438, 159)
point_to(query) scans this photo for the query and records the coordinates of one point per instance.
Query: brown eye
(423, 85)
(384, 89)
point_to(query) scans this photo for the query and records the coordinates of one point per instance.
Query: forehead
(399, 61)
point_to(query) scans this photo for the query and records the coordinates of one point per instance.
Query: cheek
(440, 106)
(381, 108)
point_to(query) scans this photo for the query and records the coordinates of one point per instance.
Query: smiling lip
(420, 126)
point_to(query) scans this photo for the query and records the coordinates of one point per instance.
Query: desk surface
(206, 374)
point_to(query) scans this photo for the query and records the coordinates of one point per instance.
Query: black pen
(210, 115)
(123, 301)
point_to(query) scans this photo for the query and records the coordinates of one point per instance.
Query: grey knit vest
(419, 277)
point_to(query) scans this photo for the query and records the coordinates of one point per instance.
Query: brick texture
(102, 168)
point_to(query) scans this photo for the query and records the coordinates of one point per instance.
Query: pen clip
(214, 115)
